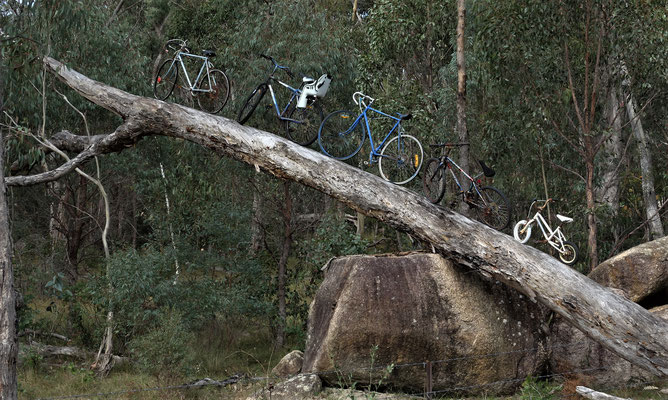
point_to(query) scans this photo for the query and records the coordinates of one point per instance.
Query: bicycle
(489, 204)
(568, 251)
(400, 159)
(302, 114)
(211, 87)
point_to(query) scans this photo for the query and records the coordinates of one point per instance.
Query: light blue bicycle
(341, 136)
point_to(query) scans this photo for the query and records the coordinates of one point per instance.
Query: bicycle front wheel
(339, 137)
(304, 132)
(401, 159)
(251, 103)
(433, 180)
(492, 209)
(215, 90)
(165, 80)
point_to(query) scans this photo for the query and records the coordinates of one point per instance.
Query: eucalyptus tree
(552, 64)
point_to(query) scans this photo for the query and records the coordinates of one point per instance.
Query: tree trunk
(462, 132)
(8, 339)
(283, 262)
(608, 192)
(257, 234)
(591, 213)
(617, 323)
(648, 192)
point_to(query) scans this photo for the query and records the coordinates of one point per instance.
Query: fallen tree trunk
(617, 323)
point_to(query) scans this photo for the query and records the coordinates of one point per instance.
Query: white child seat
(314, 88)
(564, 219)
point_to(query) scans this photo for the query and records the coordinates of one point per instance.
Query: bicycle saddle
(489, 172)
(208, 53)
(405, 117)
(565, 219)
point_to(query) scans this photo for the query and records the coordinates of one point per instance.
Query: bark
(591, 216)
(608, 192)
(648, 192)
(283, 262)
(617, 323)
(8, 339)
(257, 233)
(462, 132)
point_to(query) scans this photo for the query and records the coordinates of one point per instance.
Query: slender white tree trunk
(462, 132)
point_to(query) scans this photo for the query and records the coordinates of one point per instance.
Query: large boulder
(289, 365)
(374, 311)
(304, 386)
(573, 353)
(641, 272)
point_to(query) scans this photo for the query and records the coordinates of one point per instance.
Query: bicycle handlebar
(448, 144)
(277, 66)
(176, 45)
(362, 97)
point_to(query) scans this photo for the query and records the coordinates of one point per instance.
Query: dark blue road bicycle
(341, 136)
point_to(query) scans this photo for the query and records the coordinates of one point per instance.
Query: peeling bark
(617, 323)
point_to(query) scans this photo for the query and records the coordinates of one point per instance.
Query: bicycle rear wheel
(433, 180)
(165, 79)
(306, 132)
(216, 91)
(494, 211)
(339, 137)
(570, 257)
(251, 103)
(401, 159)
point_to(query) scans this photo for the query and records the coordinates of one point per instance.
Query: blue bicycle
(341, 136)
(303, 113)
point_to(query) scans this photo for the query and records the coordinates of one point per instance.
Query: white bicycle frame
(555, 237)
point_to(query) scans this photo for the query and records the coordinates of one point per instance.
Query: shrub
(165, 350)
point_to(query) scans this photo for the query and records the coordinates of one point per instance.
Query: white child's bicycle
(568, 251)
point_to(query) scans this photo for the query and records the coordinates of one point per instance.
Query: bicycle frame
(555, 237)
(295, 94)
(375, 149)
(206, 65)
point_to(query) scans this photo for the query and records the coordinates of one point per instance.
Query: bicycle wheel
(165, 80)
(570, 257)
(433, 180)
(494, 211)
(338, 137)
(306, 132)
(251, 103)
(401, 159)
(520, 236)
(216, 91)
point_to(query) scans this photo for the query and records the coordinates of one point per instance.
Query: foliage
(535, 389)
(165, 350)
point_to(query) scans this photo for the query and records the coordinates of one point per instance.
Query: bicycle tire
(339, 137)
(433, 180)
(571, 256)
(251, 103)
(517, 232)
(495, 210)
(165, 80)
(214, 101)
(306, 132)
(401, 159)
